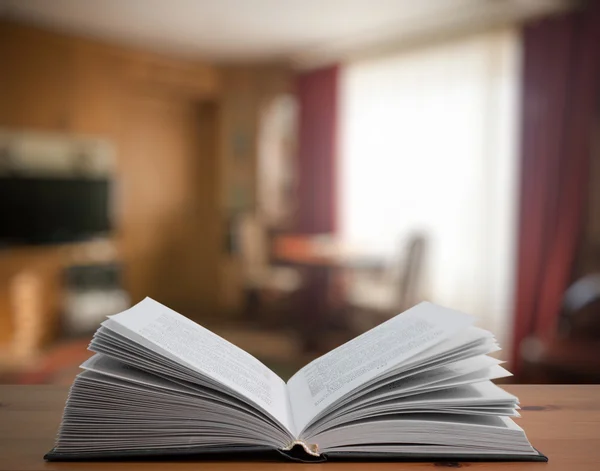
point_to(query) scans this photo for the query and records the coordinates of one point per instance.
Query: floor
(59, 364)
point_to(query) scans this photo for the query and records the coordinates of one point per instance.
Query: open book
(416, 387)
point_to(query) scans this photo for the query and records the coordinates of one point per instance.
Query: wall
(185, 134)
(162, 114)
(588, 256)
(246, 89)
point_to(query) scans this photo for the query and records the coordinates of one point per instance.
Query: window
(428, 144)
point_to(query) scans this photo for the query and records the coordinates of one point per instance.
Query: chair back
(580, 316)
(254, 249)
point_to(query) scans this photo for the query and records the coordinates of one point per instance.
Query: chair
(372, 297)
(261, 280)
(573, 355)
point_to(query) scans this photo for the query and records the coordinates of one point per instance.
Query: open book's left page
(169, 334)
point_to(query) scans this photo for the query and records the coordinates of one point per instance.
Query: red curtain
(559, 102)
(317, 93)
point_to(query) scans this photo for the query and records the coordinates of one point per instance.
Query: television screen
(47, 210)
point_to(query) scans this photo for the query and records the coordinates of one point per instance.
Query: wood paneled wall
(175, 124)
(162, 115)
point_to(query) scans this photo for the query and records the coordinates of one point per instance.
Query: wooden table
(562, 421)
(322, 251)
(320, 258)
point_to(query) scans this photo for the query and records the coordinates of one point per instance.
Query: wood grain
(171, 229)
(561, 421)
(52, 82)
(174, 122)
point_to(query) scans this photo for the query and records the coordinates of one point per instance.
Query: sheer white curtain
(428, 143)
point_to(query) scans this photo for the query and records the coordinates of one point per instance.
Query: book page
(478, 433)
(113, 413)
(172, 335)
(336, 374)
(463, 370)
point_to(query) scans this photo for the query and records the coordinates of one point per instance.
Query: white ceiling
(242, 30)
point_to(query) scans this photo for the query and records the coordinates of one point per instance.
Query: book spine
(310, 448)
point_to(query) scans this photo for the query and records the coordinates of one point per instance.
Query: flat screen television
(53, 210)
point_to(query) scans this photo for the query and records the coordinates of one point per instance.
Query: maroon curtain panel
(560, 91)
(317, 92)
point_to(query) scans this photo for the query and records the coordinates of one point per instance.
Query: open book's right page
(330, 377)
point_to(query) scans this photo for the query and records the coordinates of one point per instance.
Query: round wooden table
(320, 258)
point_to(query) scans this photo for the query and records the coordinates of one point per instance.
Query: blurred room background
(290, 174)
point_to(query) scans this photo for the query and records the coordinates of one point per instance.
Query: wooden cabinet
(192, 80)
(59, 83)
(97, 94)
(168, 191)
(150, 108)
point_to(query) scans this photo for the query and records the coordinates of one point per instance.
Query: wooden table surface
(319, 251)
(561, 421)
